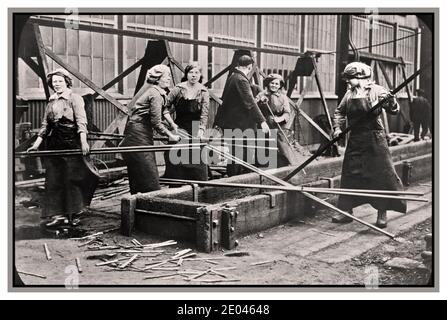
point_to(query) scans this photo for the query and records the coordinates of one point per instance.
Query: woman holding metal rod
(367, 162)
(188, 102)
(70, 181)
(143, 119)
(275, 107)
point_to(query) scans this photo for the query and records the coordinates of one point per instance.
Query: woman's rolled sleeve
(79, 113)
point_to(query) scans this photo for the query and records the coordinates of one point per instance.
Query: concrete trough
(215, 217)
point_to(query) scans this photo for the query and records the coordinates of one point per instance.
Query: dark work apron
(367, 162)
(141, 166)
(70, 181)
(186, 111)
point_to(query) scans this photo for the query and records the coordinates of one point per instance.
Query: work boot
(341, 218)
(381, 219)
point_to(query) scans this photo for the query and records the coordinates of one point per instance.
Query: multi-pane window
(406, 49)
(169, 25)
(321, 36)
(282, 32)
(231, 29)
(92, 53)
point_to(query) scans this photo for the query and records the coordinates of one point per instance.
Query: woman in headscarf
(69, 181)
(274, 105)
(143, 119)
(367, 162)
(188, 102)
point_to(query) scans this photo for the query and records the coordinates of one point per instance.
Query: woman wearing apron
(143, 119)
(69, 181)
(274, 99)
(188, 102)
(367, 162)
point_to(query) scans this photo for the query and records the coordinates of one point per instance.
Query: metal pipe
(286, 188)
(73, 152)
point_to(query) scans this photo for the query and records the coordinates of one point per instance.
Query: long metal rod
(285, 183)
(70, 152)
(349, 128)
(296, 188)
(330, 206)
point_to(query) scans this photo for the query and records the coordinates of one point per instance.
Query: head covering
(62, 73)
(244, 60)
(357, 70)
(156, 72)
(272, 77)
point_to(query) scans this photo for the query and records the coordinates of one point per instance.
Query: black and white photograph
(223, 148)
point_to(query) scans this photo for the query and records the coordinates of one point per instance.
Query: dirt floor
(311, 251)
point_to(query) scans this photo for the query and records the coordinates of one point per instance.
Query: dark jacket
(239, 109)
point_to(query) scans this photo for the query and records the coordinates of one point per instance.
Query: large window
(170, 25)
(321, 36)
(282, 32)
(92, 53)
(232, 29)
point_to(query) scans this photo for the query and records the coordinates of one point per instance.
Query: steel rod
(109, 150)
(291, 188)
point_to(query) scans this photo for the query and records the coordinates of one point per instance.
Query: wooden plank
(320, 89)
(120, 77)
(86, 81)
(41, 59)
(138, 34)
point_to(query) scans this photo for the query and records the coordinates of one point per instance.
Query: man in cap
(239, 109)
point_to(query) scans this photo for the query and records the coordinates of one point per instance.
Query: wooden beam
(374, 56)
(217, 76)
(137, 34)
(404, 76)
(320, 89)
(86, 81)
(41, 59)
(121, 76)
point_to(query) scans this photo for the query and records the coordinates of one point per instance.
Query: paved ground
(312, 251)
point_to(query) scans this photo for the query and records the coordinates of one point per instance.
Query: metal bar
(121, 76)
(109, 150)
(164, 214)
(137, 34)
(330, 206)
(292, 188)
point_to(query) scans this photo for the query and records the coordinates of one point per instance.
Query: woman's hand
(85, 148)
(265, 128)
(32, 148)
(336, 133)
(174, 138)
(36, 145)
(200, 133)
(174, 127)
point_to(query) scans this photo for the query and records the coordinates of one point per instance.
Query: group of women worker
(172, 114)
